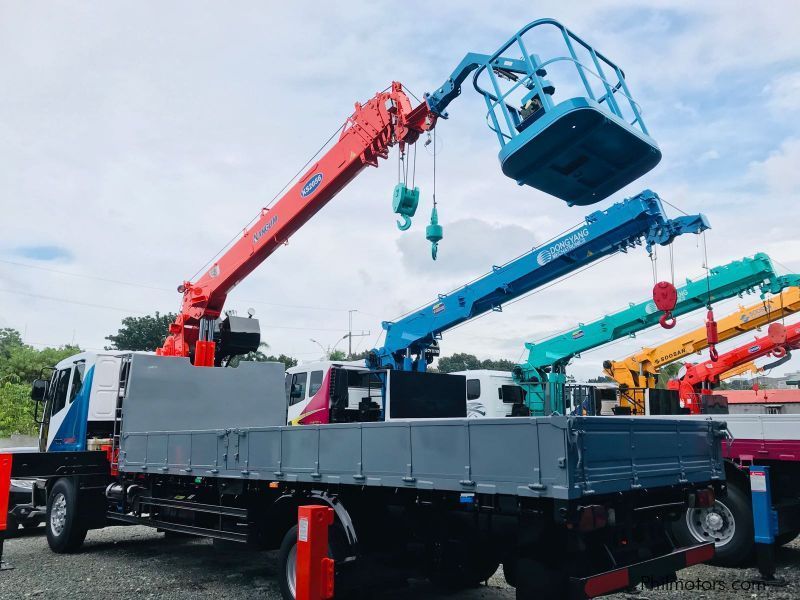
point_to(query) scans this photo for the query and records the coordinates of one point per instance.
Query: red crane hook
(665, 297)
(712, 335)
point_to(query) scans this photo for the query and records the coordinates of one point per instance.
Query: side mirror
(39, 389)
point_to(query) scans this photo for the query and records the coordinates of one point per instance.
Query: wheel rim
(291, 571)
(58, 514)
(715, 524)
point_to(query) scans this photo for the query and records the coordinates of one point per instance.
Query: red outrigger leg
(5, 491)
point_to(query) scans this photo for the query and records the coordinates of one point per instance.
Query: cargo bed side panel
(617, 453)
(180, 420)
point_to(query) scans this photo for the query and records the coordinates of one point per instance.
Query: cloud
(43, 253)
(779, 172)
(469, 247)
(141, 146)
(783, 92)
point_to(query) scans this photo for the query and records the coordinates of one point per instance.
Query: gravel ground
(137, 562)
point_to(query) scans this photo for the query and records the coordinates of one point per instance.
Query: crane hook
(434, 233)
(712, 335)
(404, 203)
(665, 297)
(405, 224)
(667, 321)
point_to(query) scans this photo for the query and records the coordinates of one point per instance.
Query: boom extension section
(580, 148)
(412, 342)
(641, 370)
(543, 375)
(699, 379)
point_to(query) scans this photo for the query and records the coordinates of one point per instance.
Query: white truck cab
(79, 401)
(491, 394)
(494, 394)
(335, 392)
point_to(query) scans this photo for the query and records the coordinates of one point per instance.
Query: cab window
(60, 389)
(77, 381)
(473, 389)
(314, 382)
(297, 389)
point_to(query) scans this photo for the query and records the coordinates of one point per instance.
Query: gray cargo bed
(552, 457)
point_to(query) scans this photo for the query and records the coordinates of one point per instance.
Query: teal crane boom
(543, 375)
(412, 342)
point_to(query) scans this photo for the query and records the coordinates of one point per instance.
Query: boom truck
(757, 442)
(638, 374)
(697, 380)
(412, 342)
(543, 374)
(163, 441)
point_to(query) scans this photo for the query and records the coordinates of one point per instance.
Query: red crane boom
(699, 378)
(386, 119)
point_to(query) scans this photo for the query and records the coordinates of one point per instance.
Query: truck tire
(66, 527)
(463, 574)
(729, 524)
(510, 572)
(786, 537)
(287, 558)
(537, 581)
(12, 527)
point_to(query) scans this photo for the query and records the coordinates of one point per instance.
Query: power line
(130, 310)
(78, 302)
(163, 289)
(83, 276)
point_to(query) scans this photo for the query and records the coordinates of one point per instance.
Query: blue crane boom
(412, 341)
(543, 375)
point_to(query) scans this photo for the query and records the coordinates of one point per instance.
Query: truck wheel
(537, 581)
(469, 573)
(66, 528)
(729, 524)
(287, 558)
(11, 525)
(786, 537)
(510, 572)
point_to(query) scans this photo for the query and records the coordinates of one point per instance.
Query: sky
(137, 138)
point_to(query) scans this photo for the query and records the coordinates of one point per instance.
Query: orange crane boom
(641, 370)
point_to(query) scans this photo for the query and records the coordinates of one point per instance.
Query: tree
(16, 409)
(20, 364)
(458, 362)
(337, 355)
(24, 364)
(260, 356)
(10, 339)
(601, 379)
(141, 333)
(666, 373)
(502, 364)
(462, 361)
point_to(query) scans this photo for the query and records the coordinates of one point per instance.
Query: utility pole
(350, 333)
